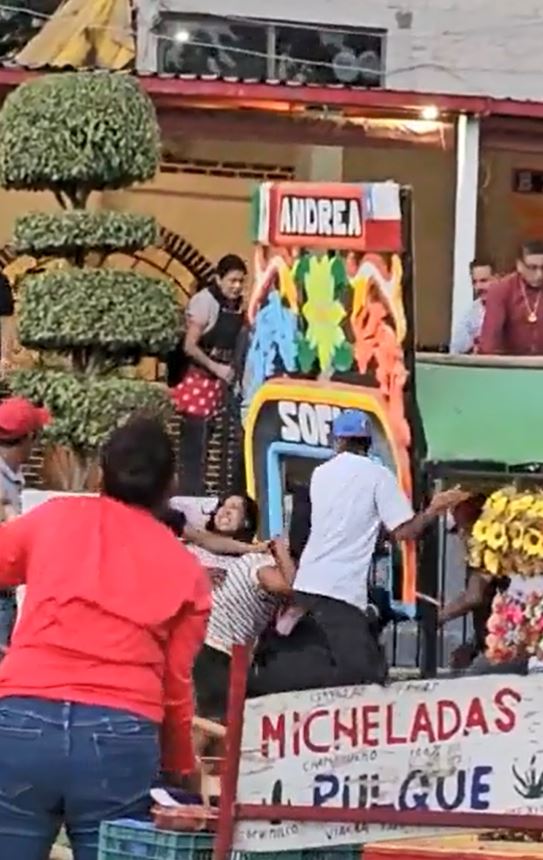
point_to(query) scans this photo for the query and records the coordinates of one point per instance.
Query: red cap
(19, 418)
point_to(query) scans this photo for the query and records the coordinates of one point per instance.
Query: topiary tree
(72, 134)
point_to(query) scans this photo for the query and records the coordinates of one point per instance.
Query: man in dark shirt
(513, 323)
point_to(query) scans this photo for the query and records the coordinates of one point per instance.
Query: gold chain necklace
(531, 311)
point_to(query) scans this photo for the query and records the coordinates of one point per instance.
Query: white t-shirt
(203, 308)
(351, 496)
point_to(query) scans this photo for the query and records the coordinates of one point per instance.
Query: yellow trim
(346, 397)
(334, 394)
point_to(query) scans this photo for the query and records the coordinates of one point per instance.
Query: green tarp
(481, 413)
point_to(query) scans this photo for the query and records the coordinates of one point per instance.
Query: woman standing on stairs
(214, 320)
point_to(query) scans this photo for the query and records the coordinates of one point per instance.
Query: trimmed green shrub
(109, 309)
(87, 408)
(86, 130)
(74, 133)
(43, 233)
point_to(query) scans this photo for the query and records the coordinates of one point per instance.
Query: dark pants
(211, 676)
(8, 617)
(483, 666)
(193, 443)
(63, 763)
(334, 646)
(355, 654)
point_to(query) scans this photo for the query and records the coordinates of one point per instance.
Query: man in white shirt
(351, 498)
(468, 329)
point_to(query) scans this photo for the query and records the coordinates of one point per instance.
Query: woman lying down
(245, 597)
(230, 529)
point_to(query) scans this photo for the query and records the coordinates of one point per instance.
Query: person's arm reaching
(15, 533)
(491, 341)
(186, 639)
(467, 600)
(397, 514)
(220, 544)
(440, 504)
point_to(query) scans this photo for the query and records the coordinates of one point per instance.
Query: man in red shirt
(114, 615)
(513, 323)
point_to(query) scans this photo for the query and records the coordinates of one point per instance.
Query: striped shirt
(241, 608)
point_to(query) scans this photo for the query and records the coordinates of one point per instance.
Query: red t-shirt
(115, 613)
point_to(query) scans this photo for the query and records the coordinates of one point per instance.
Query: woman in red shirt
(115, 612)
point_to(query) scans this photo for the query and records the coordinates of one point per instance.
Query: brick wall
(485, 47)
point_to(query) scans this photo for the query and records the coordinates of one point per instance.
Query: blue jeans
(77, 765)
(8, 617)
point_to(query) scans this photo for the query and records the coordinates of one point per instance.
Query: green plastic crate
(126, 839)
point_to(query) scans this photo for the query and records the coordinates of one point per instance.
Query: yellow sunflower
(496, 536)
(537, 507)
(480, 530)
(521, 505)
(475, 557)
(497, 502)
(532, 543)
(491, 562)
(516, 535)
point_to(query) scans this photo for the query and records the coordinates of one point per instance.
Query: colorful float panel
(331, 328)
(289, 423)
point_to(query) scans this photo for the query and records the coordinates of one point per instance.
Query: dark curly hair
(138, 463)
(248, 529)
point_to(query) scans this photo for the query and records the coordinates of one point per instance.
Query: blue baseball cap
(353, 423)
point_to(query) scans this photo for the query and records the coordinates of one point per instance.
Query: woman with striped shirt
(244, 602)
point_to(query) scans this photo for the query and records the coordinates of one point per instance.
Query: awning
(84, 33)
(481, 410)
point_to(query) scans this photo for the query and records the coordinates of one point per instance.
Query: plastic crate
(126, 839)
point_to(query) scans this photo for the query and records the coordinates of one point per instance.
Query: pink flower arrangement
(515, 627)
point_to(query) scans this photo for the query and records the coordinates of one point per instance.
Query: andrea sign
(335, 218)
(317, 214)
(341, 216)
(471, 745)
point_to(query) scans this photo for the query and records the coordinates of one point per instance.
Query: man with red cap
(20, 423)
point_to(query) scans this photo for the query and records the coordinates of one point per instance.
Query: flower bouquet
(507, 540)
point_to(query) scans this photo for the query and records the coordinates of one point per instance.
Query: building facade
(476, 47)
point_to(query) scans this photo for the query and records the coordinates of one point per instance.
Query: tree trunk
(69, 472)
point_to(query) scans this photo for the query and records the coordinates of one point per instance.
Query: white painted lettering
(298, 219)
(285, 223)
(324, 422)
(325, 217)
(320, 216)
(355, 225)
(290, 432)
(311, 218)
(340, 227)
(309, 425)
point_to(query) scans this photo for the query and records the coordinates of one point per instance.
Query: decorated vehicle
(330, 319)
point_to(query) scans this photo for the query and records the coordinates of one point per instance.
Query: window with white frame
(253, 49)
